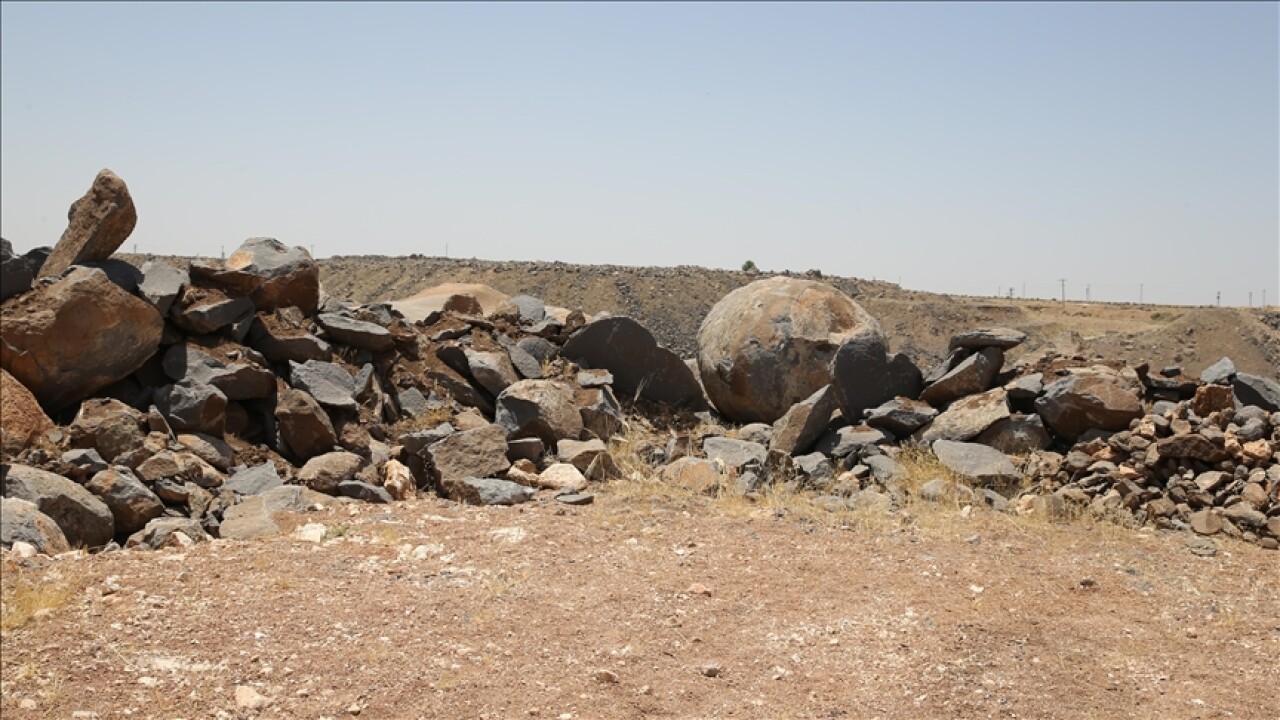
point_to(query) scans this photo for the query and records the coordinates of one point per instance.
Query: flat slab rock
(979, 462)
(491, 491)
(1003, 338)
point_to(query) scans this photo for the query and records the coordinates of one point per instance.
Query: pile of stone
(166, 404)
(188, 400)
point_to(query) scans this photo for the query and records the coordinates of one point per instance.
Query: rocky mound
(210, 399)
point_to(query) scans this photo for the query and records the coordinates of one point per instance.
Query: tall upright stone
(98, 224)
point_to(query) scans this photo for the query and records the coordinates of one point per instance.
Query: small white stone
(249, 699)
(311, 532)
(24, 550)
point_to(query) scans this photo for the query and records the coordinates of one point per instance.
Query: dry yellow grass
(24, 598)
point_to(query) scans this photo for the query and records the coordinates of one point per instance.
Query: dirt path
(630, 610)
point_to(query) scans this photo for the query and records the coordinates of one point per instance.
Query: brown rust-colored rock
(768, 345)
(98, 224)
(1080, 402)
(21, 418)
(70, 338)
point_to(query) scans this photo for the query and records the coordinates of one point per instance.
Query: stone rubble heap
(162, 404)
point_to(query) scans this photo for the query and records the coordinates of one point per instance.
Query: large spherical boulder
(768, 345)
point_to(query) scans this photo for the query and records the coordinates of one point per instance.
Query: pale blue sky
(957, 147)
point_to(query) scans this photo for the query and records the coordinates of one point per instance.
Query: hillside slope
(672, 301)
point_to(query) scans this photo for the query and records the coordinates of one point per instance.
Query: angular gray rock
(845, 441)
(1077, 403)
(412, 402)
(286, 276)
(305, 428)
(1025, 388)
(522, 310)
(796, 431)
(967, 417)
(237, 381)
(544, 409)
(324, 473)
(159, 533)
(539, 349)
(193, 407)
(1257, 390)
(22, 521)
(253, 480)
(1017, 435)
(901, 416)
(770, 344)
(528, 367)
(109, 426)
(97, 225)
(282, 337)
(470, 453)
(356, 333)
(492, 371)
(814, 470)
(865, 375)
(640, 366)
(261, 515)
(132, 505)
(212, 450)
(330, 384)
(208, 314)
(885, 469)
(1003, 338)
(491, 491)
(16, 274)
(945, 491)
(162, 283)
(84, 464)
(70, 338)
(83, 518)
(972, 375)
(600, 412)
(122, 274)
(364, 492)
(1219, 373)
(734, 453)
(977, 462)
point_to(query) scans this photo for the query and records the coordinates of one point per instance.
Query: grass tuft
(24, 598)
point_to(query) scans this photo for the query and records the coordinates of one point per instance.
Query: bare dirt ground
(638, 607)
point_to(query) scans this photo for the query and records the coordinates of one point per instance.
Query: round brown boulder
(768, 345)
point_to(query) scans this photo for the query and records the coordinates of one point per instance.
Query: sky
(959, 148)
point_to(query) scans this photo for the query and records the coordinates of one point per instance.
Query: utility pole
(1219, 298)
(1086, 292)
(1063, 282)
